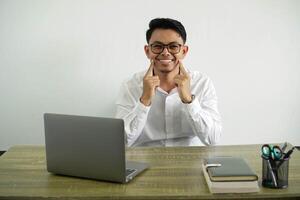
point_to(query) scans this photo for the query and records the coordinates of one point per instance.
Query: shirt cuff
(193, 108)
(141, 109)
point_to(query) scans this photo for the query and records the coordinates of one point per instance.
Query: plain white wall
(70, 56)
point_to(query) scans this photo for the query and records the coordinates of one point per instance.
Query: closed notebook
(232, 175)
(231, 169)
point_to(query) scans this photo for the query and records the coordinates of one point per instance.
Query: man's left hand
(182, 81)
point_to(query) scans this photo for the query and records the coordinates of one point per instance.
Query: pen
(288, 154)
(284, 147)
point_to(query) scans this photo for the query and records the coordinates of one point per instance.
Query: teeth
(165, 61)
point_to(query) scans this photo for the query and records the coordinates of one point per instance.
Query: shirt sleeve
(133, 112)
(204, 116)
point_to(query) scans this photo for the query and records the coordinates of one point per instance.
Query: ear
(185, 50)
(147, 51)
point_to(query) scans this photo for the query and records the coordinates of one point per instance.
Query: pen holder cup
(275, 174)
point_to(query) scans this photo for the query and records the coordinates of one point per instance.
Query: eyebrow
(155, 42)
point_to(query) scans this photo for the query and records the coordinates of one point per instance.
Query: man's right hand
(150, 83)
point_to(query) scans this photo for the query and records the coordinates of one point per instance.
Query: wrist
(189, 99)
(146, 101)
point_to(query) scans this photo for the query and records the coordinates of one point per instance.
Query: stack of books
(229, 175)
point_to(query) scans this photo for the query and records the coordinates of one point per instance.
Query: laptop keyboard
(130, 171)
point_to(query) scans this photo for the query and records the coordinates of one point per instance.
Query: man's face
(165, 48)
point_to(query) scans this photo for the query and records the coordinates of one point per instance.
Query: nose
(165, 52)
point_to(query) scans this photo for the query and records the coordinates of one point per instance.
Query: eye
(157, 46)
(174, 46)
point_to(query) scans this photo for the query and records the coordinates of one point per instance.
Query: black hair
(166, 23)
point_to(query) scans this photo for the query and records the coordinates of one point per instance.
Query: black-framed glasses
(173, 48)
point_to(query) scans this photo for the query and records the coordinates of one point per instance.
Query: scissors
(271, 152)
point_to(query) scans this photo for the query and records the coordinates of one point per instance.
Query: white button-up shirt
(168, 121)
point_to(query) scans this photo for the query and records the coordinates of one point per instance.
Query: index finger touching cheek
(182, 68)
(150, 69)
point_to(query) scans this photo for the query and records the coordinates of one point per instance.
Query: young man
(168, 105)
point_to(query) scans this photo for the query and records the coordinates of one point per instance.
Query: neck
(167, 79)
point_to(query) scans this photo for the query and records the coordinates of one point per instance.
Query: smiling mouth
(165, 61)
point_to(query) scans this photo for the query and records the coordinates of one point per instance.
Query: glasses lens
(174, 48)
(157, 48)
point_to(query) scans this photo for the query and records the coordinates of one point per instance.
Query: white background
(71, 56)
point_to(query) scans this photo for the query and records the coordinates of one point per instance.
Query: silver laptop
(88, 147)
